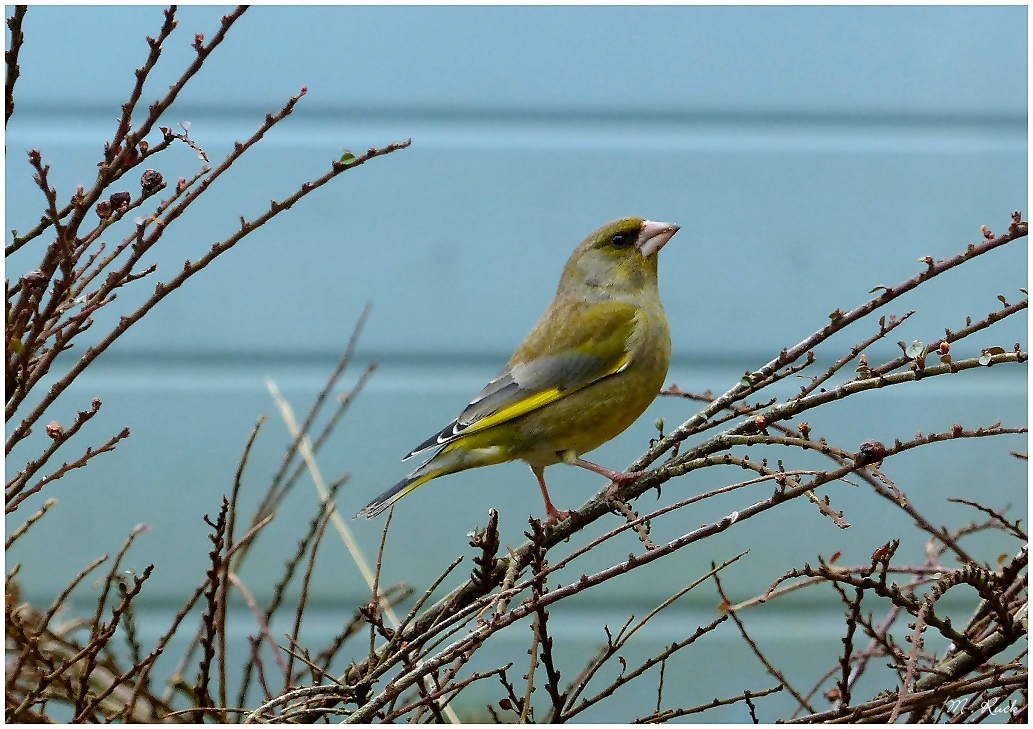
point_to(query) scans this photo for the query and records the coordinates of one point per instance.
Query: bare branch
(11, 58)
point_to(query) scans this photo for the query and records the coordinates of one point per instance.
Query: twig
(839, 364)
(660, 717)
(300, 610)
(13, 503)
(47, 506)
(271, 497)
(342, 528)
(912, 661)
(452, 688)
(163, 290)
(394, 595)
(185, 610)
(209, 616)
(225, 582)
(726, 604)
(630, 675)
(838, 322)
(280, 590)
(951, 337)
(1011, 527)
(525, 711)
(263, 625)
(11, 58)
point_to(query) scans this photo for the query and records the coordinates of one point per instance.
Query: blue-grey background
(808, 153)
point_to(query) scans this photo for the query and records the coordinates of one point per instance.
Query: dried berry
(150, 180)
(118, 199)
(945, 347)
(104, 210)
(871, 451)
(35, 279)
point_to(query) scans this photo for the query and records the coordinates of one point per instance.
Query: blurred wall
(808, 153)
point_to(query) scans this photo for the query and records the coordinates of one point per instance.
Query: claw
(555, 516)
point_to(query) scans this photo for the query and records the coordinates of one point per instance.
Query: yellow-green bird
(592, 364)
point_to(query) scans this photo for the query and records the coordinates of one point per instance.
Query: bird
(592, 364)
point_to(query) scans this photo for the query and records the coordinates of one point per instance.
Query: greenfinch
(592, 364)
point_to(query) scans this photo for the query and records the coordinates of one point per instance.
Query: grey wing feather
(567, 371)
(501, 381)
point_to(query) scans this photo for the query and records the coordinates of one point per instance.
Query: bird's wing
(573, 345)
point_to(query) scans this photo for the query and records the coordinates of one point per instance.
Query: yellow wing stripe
(532, 402)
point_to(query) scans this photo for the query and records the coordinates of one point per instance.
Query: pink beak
(653, 236)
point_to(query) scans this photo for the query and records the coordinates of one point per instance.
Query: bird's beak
(652, 236)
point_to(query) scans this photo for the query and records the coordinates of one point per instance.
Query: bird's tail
(453, 457)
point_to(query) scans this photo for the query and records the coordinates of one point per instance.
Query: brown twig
(305, 581)
(11, 59)
(13, 537)
(660, 717)
(1011, 527)
(839, 321)
(272, 495)
(951, 337)
(852, 615)
(209, 616)
(280, 589)
(231, 527)
(625, 677)
(916, 641)
(163, 289)
(726, 604)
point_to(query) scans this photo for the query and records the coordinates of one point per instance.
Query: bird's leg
(554, 515)
(616, 477)
(620, 477)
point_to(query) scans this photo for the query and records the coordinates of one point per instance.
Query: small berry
(150, 180)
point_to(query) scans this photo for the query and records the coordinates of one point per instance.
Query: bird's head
(618, 257)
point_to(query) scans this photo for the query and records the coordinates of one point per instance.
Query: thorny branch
(46, 311)
(14, 23)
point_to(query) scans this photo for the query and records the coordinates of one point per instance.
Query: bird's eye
(621, 239)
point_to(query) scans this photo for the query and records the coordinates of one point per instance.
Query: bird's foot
(618, 479)
(623, 477)
(554, 516)
(612, 491)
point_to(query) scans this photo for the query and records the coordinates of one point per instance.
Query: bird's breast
(584, 420)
